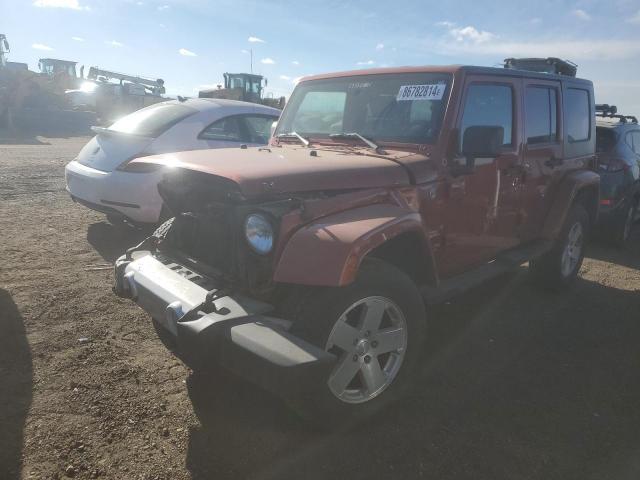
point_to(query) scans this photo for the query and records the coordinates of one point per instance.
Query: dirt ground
(519, 384)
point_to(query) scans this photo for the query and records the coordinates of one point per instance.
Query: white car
(101, 178)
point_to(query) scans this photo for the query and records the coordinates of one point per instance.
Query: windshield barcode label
(421, 92)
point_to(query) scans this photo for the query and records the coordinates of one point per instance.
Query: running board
(503, 263)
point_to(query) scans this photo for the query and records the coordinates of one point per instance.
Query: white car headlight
(259, 233)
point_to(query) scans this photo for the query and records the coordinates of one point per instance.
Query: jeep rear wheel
(376, 328)
(559, 267)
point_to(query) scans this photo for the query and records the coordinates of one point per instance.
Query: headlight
(259, 233)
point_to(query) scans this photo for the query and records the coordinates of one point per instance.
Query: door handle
(554, 162)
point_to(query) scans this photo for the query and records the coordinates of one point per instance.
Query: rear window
(154, 120)
(605, 139)
(578, 116)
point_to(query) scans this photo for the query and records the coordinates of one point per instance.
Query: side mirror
(482, 141)
(6, 45)
(274, 125)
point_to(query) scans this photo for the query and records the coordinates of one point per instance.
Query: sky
(190, 43)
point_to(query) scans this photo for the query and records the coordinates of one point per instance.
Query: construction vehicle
(247, 87)
(113, 100)
(36, 101)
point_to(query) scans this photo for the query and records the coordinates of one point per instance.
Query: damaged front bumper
(238, 334)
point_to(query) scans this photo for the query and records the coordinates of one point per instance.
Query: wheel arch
(329, 252)
(582, 186)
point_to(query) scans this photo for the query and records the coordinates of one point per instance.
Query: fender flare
(328, 252)
(566, 193)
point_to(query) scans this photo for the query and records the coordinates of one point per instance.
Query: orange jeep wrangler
(308, 266)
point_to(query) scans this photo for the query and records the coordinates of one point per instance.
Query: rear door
(543, 149)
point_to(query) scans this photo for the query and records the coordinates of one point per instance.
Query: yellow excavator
(246, 87)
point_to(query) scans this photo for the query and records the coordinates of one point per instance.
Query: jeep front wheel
(376, 328)
(559, 267)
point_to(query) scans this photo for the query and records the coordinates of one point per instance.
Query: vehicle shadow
(16, 380)
(519, 384)
(628, 256)
(111, 241)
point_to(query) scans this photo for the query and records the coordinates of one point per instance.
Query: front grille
(208, 238)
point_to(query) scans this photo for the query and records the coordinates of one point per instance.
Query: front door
(482, 205)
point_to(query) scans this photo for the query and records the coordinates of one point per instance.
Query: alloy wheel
(370, 340)
(573, 250)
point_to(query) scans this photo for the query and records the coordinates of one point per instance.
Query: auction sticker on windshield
(421, 92)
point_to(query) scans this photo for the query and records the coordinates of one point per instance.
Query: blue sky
(190, 43)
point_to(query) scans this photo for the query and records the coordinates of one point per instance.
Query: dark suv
(307, 266)
(618, 151)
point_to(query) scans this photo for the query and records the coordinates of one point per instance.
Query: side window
(578, 115)
(636, 141)
(541, 110)
(489, 105)
(226, 129)
(259, 127)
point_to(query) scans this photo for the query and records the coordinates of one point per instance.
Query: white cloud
(380, 46)
(115, 43)
(295, 62)
(471, 34)
(445, 23)
(367, 62)
(162, 8)
(72, 4)
(255, 40)
(581, 14)
(284, 77)
(187, 53)
(77, 39)
(162, 25)
(41, 46)
(268, 61)
(635, 19)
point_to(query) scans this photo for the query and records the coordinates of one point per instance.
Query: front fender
(328, 252)
(566, 193)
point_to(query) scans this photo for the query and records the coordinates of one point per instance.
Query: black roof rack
(604, 110)
(543, 65)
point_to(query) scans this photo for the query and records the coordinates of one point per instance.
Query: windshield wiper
(369, 143)
(303, 140)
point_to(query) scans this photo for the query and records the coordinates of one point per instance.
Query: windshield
(404, 108)
(154, 120)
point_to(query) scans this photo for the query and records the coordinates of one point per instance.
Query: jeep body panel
(339, 242)
(264, 171)
(565, 193)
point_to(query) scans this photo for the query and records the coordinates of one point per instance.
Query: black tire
(547, 271)
(318, 312)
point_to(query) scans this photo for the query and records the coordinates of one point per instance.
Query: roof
(451, 69)
(614, 123)
(202, 104)
(69, 62)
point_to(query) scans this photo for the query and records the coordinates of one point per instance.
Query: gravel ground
(518, 384)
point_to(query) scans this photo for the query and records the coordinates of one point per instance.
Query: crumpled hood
(259, 171)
